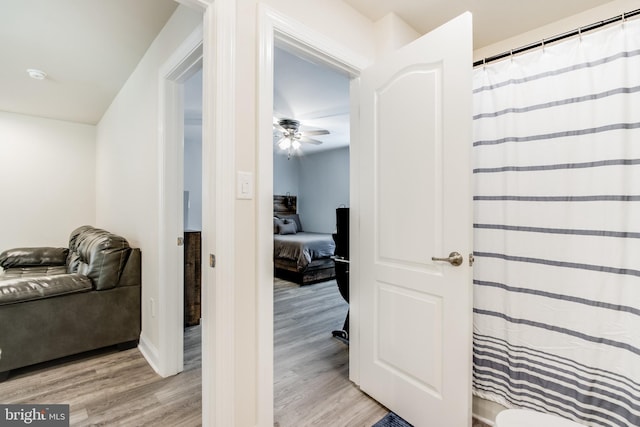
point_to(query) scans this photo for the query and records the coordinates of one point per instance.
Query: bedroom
(311, 162)
(311, 182)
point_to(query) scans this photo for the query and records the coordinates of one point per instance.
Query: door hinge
(180, 241)
(471, 260)
(212, 260)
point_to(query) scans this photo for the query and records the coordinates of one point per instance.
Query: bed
(299, 256)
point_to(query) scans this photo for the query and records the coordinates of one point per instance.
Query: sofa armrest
(98, 254)
(132, 272)
(33, 257)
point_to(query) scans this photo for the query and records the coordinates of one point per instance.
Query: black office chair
(341, 258)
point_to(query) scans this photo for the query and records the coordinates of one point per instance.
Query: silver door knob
(454, 259)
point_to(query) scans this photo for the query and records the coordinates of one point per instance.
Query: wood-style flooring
(114, 388)
(118, 388)
(311, 372)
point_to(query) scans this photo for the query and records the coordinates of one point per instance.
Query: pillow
(276, 224)
(287, 228)
(294, 217)
(290, 221)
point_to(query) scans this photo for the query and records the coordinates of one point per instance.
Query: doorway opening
(186, 61)
(311, 199)
(192, 217)
(296, 39)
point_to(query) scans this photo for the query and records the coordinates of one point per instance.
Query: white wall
(597, 14)
(324, 185)
(127, 186)
(392, 33)
(47, 171)
(357, 34)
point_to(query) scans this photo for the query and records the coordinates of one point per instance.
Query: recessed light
(36, 74)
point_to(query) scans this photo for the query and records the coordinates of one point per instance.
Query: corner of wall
(392, 33)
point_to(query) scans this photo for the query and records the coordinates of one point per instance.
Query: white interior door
(415, 189)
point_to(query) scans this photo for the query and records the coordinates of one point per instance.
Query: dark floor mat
(392, 420)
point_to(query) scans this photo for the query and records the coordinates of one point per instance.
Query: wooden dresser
(192, 277)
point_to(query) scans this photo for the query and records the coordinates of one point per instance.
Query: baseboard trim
(150, 353)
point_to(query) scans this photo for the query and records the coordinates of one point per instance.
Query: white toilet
(528, 418)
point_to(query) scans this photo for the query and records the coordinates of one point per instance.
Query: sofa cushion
(46, 270)
(98, 254)
(32, 288)
(33, 257)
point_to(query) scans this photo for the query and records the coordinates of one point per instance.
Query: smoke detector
(36, 74)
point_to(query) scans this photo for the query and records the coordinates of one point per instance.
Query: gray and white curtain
(557, 229)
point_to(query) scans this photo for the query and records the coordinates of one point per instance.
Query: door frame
(183, 63)
(218, 218)
(277, 28)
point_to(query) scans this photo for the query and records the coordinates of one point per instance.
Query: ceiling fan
(292, 136)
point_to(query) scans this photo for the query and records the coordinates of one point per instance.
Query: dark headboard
(284, 205)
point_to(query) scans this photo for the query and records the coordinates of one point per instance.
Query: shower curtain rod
(553, 39)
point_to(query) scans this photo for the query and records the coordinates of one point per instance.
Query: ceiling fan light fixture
(284, 144)
(289, 124)
(292, 137)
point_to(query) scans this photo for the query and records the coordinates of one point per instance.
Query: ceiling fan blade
(316, 132)
(310, 141)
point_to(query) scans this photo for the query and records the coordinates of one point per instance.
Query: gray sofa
(56, 302)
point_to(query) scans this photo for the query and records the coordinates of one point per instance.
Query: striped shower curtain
(557, 229)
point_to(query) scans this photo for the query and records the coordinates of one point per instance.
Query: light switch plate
(244, 186)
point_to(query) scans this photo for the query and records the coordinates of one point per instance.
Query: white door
(415, 198)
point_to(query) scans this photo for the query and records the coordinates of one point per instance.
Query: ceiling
(88, 48)
(493, 20)
(314, 94)
(319, 97)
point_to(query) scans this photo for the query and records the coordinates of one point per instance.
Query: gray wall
(286, 174)
(321, 182)
(193, 183)
(193, 152)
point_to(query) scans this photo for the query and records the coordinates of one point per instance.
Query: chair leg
(343, 335)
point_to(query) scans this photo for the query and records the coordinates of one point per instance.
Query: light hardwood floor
(109, 387)
(119, 388)
(114, 388)
(312, 386)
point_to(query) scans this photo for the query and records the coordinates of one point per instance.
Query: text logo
(34, 415)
